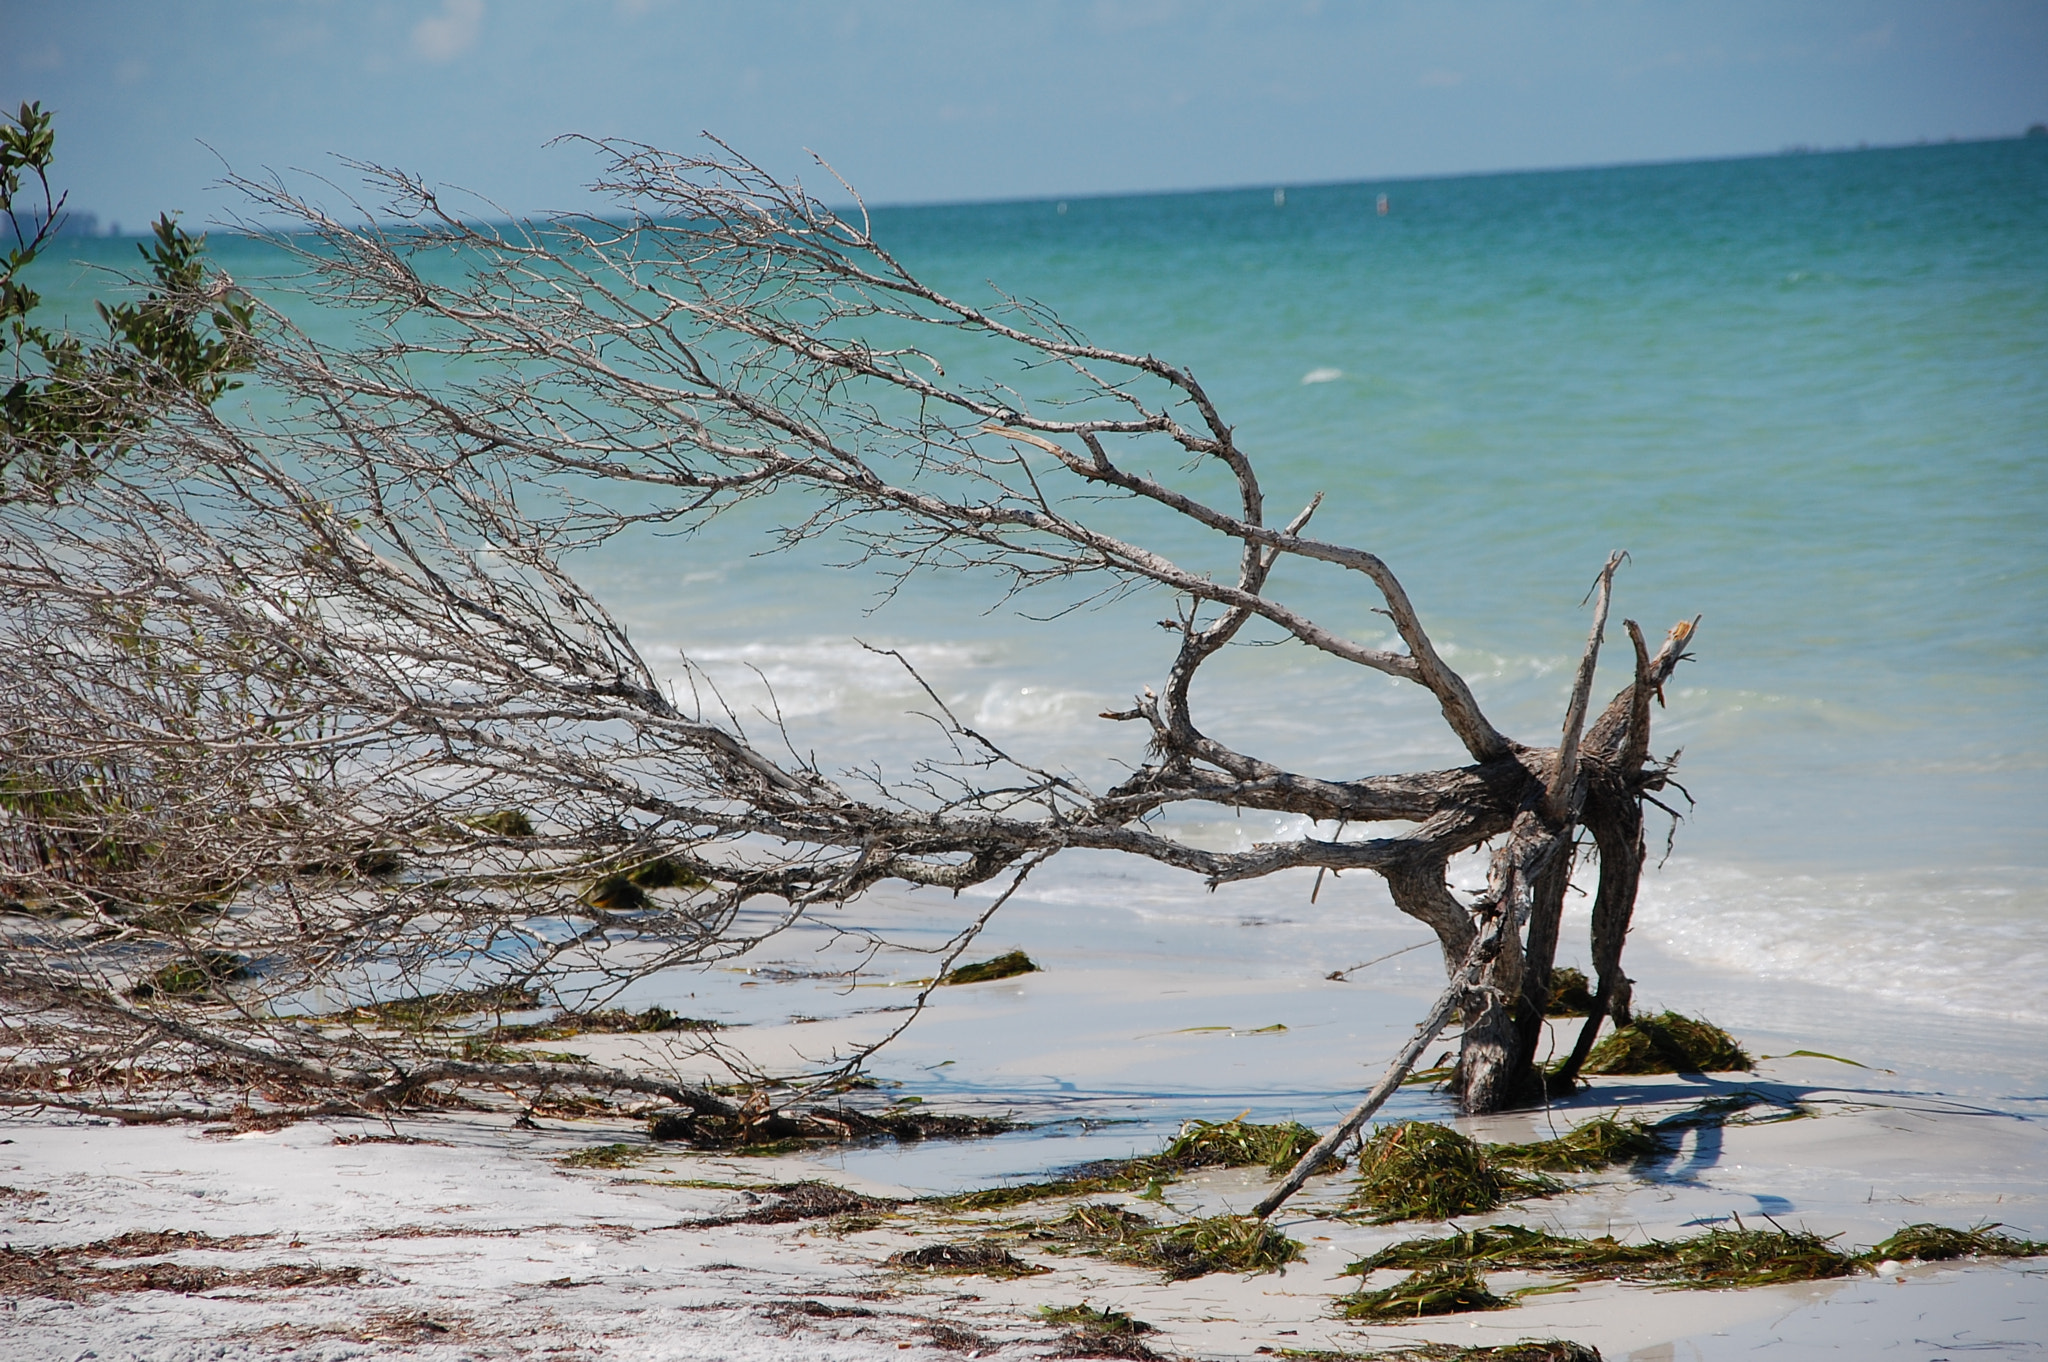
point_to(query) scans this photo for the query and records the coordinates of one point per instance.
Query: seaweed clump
(509, 823)
(1571, 995)
(1090, 1332)
(1093, 1229)
(1940, 1243)
(1008, 965)
(776, 1132)
(604, 1156)
(1599, 1143)
(1744, 1257)
(1502, 1246)
(1442, 1289)
(966, 1260)
(625, 891)
(1665, 1044)
(1218, 1243)
(603, 1021)
(1717, 1259)
(80, 1272)
(196, 976)
(1522, 1350)
(1418, 1170)
(1720, 1259)
(806, 1200)
(1235, 1143)
(1194, 1248)
(428, 1009)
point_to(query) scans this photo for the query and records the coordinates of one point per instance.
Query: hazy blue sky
(922, 100)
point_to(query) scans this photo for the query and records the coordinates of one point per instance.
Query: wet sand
(1153, 1007)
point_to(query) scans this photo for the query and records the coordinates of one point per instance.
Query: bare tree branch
(307, 721)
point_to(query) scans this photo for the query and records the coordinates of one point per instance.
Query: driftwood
(301, 700)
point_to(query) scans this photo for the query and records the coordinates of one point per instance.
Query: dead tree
(303, 695)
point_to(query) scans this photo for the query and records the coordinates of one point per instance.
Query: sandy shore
(466, 1237)
(472, 1240)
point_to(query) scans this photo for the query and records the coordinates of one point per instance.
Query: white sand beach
(473, 1240)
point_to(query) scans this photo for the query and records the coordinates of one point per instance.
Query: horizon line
(1266, 186)
(1242, 187)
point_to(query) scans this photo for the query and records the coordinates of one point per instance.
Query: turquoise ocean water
(1809, 394)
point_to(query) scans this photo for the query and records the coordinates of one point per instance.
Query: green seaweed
(1442, 1289)
(604, 1156)
(1005, 966)
(364, 858)
(1418, 1170)
(1235, 1143)
(1018, 1194)
(1090, 1332)
(1717, 1259)
(427, 1009)
(1939, 1243)
(1571, 995)
(1667, 1043)
(966, 1260)
(503, 823)
(625, 891)
(1599, 1143)
(605, 1021)
(1217, 1243)
(1094, 1229)
(1086, 1316)
(1523, 1350)
(1504, 1246)
(1744, 1257)
(1194, 1248)
(195, 976)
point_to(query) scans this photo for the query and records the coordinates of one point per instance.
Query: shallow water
(1804, 392)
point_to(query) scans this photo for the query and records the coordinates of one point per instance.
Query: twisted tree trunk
(1611, 777)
